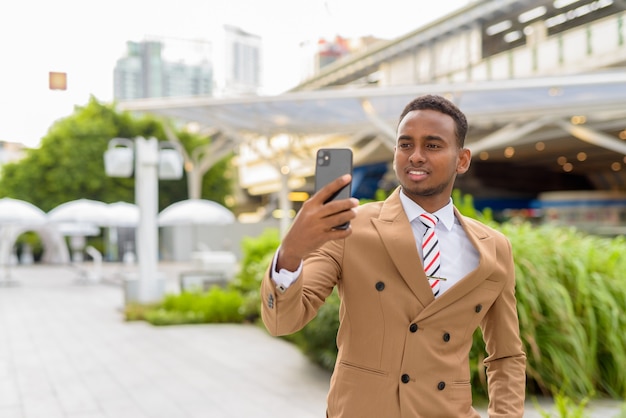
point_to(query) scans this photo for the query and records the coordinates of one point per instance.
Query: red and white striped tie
(430, 251)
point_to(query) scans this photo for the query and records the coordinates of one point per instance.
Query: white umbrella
(15, 217)
(81, 211)
(15, 211)
(195, 212)
(123, 214)
(70, 229)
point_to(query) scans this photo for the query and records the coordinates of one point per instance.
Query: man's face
(427, 158)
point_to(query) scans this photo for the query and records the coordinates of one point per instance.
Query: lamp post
(152, 160)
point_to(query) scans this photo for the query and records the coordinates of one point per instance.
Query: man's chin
(419, 191)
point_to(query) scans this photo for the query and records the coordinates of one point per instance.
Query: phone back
(332, 163)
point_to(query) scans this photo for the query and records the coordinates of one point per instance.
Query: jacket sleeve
(289, 310)
(506, 360)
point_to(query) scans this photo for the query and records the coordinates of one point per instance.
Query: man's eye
(405, 145)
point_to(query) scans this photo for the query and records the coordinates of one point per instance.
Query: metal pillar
(283, 201)
(150, 284)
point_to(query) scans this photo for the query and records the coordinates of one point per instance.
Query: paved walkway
(66, 352)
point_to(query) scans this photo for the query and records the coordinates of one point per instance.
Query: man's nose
(416, 157)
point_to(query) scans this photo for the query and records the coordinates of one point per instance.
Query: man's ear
(464, 160)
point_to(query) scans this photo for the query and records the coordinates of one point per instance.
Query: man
(405, 333)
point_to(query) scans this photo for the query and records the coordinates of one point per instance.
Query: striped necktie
(430, 251)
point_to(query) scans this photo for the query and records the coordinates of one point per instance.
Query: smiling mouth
(417, 173)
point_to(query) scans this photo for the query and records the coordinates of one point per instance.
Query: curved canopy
(195, 212)
(516, 112)
(122, 214)
(353, 110)
(15, 211)
(83, 211)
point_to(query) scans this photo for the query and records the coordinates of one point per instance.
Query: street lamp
(149, 160)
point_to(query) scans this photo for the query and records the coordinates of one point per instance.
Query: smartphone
(332, 163)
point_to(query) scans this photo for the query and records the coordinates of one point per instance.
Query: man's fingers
(336, 218)
(337, 206)
(331, 188)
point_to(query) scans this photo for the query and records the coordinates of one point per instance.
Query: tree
(69, 164)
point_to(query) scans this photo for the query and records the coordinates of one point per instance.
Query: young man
(406, 322)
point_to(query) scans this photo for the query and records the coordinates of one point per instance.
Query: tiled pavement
(66, 352)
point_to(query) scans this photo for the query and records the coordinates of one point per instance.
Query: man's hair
(443, 105)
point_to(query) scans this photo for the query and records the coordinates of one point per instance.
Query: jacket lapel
(395, 231)
(485, 245)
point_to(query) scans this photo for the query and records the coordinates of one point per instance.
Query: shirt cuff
(283, 278)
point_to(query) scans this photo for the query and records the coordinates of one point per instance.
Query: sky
(85, 38)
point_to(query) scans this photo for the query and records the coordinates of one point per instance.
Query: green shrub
(565, 407)
(238, 303)
(317, 339)
(465, 204)
(257, 256)
(215, 306)
(257, 253)
(571, 291)
(135, 311)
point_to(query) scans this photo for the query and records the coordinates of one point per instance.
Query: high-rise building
(228, 65)
(164, 68)
(330, 50)
(237, 61)
(317, 55)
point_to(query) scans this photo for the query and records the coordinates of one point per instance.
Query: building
(492, 40)
(329, 51)
(237, 62)
(489, 41)
(149, 70)
(542, 81)
(228, 65)
(314, 56)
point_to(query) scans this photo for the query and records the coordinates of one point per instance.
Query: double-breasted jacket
(401, 352)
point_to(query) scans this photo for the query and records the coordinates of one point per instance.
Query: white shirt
(458, 255)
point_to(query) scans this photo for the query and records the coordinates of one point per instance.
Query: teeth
(417, 172)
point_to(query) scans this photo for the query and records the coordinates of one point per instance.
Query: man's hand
(315, 224)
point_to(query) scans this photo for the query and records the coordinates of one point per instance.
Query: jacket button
(478, 308)
(413, 328)
(441, 385)
(405, 378)
(380, 286)
(446, 337)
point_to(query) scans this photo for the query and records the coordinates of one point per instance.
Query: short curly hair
(443, 105)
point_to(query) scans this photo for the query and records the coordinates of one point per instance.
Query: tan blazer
(403, 353)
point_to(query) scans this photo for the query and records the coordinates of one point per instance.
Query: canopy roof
(500, 113)
(598, 96)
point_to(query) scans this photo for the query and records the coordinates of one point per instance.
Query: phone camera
(323, 158)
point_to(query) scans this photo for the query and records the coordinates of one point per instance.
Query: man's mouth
(417, 174)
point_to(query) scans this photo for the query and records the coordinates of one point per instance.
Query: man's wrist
(287, 261)
(284, 278)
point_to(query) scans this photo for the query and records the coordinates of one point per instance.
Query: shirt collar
(413, 211)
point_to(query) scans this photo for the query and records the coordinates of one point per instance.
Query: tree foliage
(69, 164)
